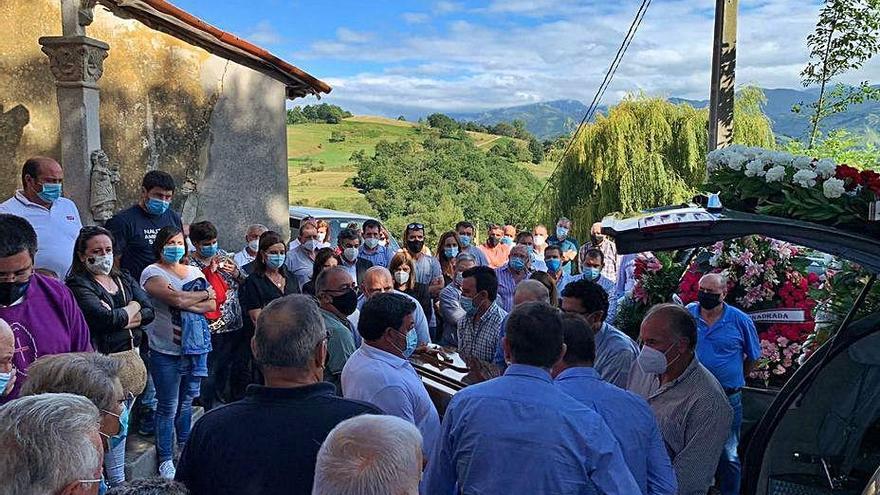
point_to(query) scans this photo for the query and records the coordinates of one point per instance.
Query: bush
(337, 137)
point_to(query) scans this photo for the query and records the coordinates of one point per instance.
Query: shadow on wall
(12, 124)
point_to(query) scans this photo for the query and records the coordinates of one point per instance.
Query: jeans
(175, 394)
(221, 363)
(729, 471)
(114, 465)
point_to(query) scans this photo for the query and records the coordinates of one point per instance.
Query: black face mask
(346, 302)
(12, 291)
(492, 241)
(597, 239)
(708, 300)
(415, 247)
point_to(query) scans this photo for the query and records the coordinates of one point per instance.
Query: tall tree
(847, 35)
(645, 153)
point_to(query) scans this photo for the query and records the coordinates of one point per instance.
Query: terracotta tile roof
(163, 16)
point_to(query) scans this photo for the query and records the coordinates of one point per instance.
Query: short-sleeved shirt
(496, 256)
(134, 231)
(567, 244)
(57, 228)
(46, 321)
(723, 346)
(257, 291)
(166, 325)
(427, 269)
(391, 383)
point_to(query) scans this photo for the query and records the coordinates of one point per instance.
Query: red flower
(813, 278)
(871, 180)
(849, 175)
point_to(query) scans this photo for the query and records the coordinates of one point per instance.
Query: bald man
(527, 291)
(727, 345)
(378, 280)
(7, 349)
(54, 218)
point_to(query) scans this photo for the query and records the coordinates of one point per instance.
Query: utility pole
(723, 74)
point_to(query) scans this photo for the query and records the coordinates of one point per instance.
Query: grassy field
(319, 169)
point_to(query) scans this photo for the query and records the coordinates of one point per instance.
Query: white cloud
(264, 34)
(447, 7)
(495, 59)
(415, 17)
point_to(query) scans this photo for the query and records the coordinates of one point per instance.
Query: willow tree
(646, 152)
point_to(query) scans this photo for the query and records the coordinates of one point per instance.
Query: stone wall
(165, 105)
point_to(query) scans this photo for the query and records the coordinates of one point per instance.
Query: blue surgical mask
(209, 250)
(102, 488)
(561, 232)
(157, 206)
(467, 304)
(592, 273)
(412, 341)
(172, 254)
(465, 240)
(517, 264)
(5, 378)
(507, 240)
(113, 441)
(274, 261)
(50, 192)
(553, 264)
(450, 252)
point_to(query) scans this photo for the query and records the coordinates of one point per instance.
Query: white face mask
(371, 242)
(100, 265)
(653, 362)
(383, 242)
(254, 245)
(401, 277)
(311, 245)
(350, 254)
(539, 239)
(322, 236)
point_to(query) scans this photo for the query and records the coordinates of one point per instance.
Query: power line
(600, 91)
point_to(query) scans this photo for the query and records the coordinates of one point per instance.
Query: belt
(732, 391)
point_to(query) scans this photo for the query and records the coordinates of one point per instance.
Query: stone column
(77, 63)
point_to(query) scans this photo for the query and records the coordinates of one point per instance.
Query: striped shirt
(507, 286)
(694, 417)
(480, 339)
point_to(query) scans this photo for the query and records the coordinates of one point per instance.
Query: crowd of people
(300, 354)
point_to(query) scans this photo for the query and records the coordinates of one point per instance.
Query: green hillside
(319, 169)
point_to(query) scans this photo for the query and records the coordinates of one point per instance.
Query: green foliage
(536, 149)
(439, 182)
(847, 35)
(842, 147)
(336, 137)
(659, 286)
(326, 113)
(511, 150)
(645, 153)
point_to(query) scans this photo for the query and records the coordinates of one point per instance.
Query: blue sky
(406, 56)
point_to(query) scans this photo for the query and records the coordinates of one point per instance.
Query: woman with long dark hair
(116, 308)
(447, 249)
(324, 258)
(176, 375)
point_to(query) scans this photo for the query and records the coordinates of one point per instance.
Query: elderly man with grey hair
(370, 455)
(378, 280)
(450, 307)
(7, 349)
(50, 445)
(267, 443)
(251, 246)
(527, 291)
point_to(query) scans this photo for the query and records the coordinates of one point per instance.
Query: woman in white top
(163, 281)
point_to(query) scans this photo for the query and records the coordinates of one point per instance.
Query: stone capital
(75, 61)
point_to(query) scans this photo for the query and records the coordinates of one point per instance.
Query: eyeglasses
(415, 226)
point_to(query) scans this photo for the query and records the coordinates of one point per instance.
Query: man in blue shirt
(636, 431)
(615, 351)
(371, 250)
(727, 345)
(568, 244)
(520, 434)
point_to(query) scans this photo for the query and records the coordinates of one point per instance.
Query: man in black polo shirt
(268, 442)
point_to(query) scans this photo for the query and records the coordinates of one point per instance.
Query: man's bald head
(288, 332)
(713, 283)
(377, 280)
(530, 291)
(670, 322)
(7, 347)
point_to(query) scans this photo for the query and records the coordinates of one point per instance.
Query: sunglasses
(415, 226)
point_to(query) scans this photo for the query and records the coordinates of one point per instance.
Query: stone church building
(155, 88)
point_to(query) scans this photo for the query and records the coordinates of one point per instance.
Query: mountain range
(552, 118)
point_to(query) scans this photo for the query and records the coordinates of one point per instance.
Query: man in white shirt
(54, 218)
(378, 280)
(380, 373)
(252, 245)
